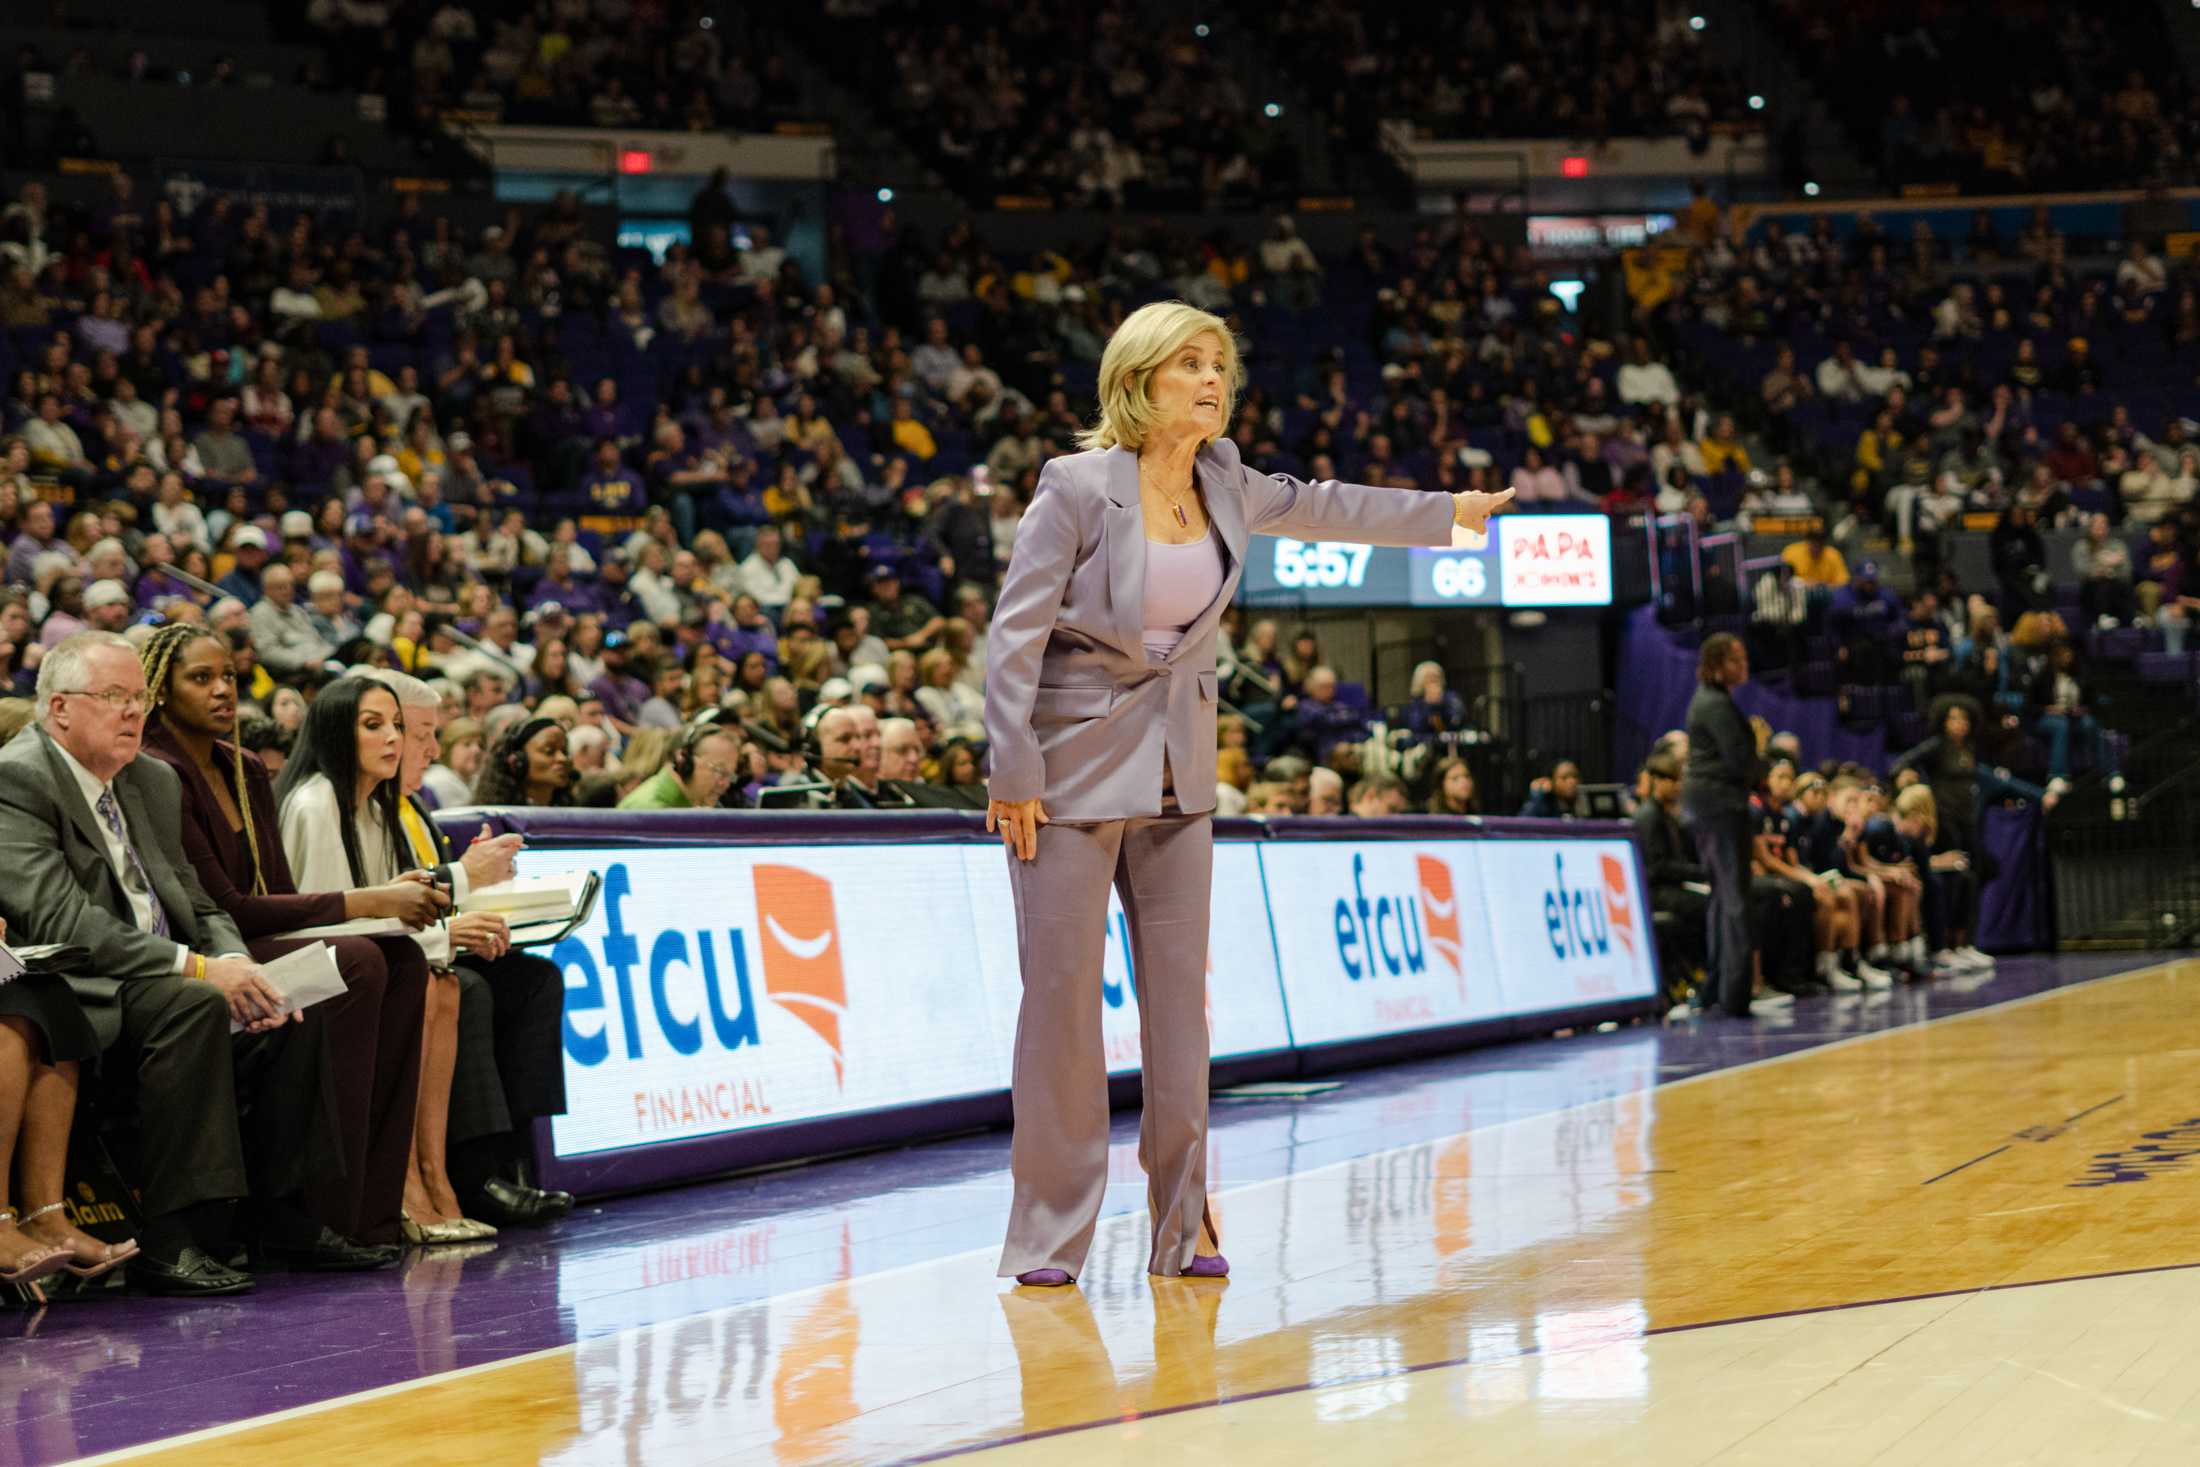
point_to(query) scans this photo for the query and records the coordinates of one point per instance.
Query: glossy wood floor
(1977, 1240)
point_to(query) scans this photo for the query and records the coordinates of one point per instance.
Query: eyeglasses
(715, 769)
(114, 698)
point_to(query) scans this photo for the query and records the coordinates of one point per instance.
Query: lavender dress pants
(1163, 866)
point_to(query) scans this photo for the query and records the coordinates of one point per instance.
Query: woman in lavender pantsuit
(1100, 712)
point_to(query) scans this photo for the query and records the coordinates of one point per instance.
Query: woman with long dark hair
(341, 829)
(529, 766)
(1451, 788)
(230, 835)
(551, 674)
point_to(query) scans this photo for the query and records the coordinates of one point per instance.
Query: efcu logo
(801, 941)
(696, 983)
(1440, 910)
(1583, 921)
(1618, 904)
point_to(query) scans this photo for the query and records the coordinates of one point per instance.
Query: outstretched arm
(1327, 509)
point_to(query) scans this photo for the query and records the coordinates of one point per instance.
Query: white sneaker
(1874, 976)
(1767, 1008)
(1843, 982)
(1774, 999)
(1946, 961)
(1982, 962)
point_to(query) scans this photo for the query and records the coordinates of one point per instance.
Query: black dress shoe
(189, 1275)
(329, 1252)
(511, 1204)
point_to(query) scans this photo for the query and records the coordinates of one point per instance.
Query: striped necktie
(111, 812)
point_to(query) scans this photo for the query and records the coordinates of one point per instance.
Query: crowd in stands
(590, 63)
(1092, 106)
(2028, 96)
(1918, 389)
(529, 469)
(710, 482)
(1542, 69)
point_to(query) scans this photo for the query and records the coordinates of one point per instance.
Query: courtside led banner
(1386, 937)
(721, 988)
(1527, 560)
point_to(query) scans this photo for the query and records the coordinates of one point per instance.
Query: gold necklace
(1175, 506)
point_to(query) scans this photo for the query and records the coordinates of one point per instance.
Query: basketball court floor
(1958, 1224)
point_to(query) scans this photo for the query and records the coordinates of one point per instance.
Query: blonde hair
(1916, 803)
(2035, 629)
(1148, 337)
(646, 752)
(932, 661)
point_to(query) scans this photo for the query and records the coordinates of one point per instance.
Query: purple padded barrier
(1657, 677)
(2013, 908)
(646, 1166)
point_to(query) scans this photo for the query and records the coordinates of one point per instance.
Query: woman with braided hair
(231, 836)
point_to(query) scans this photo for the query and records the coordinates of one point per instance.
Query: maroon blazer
(219, 855)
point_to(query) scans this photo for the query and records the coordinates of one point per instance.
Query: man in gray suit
(92, 846)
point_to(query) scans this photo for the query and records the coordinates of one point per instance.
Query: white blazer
(315, 847)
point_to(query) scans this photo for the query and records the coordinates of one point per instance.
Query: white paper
(11, 965)
(356, 927)
(304, 978)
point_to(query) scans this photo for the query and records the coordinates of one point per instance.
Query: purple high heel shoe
(1045, 1278)
(1208, 1266)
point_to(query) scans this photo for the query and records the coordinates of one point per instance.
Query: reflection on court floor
(1779, 1262)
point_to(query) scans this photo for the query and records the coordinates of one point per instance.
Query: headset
(515, 759)
(691, 738)
(813, 749)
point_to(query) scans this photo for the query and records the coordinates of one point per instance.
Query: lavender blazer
(1076, 715)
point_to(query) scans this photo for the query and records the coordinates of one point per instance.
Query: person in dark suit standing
(1723, 767)
(91, 842)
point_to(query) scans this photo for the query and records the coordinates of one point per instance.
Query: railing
(1512, 738)
(2129, 883)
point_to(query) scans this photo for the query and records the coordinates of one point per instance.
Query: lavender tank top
(1180, 581)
